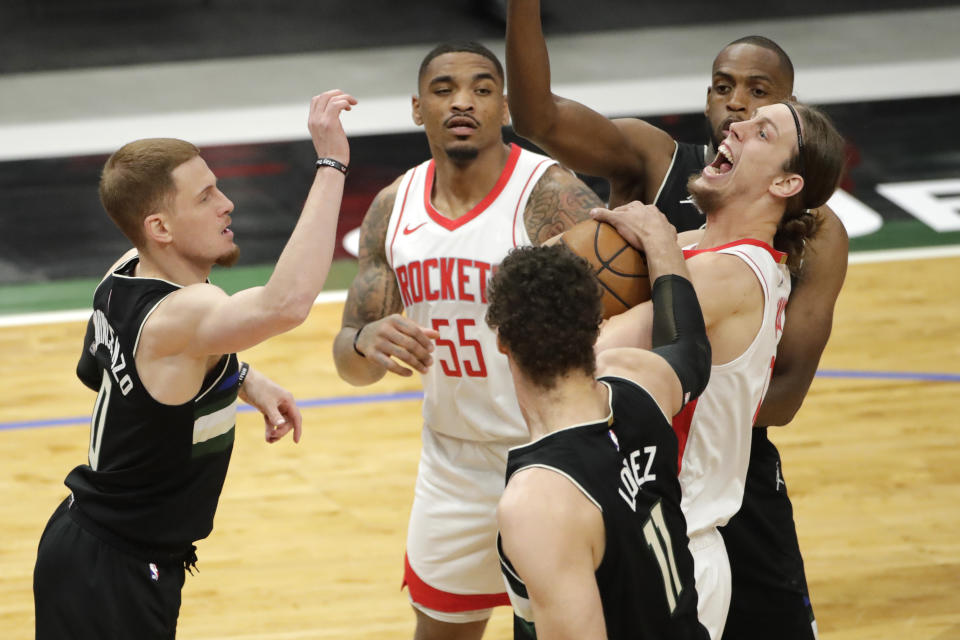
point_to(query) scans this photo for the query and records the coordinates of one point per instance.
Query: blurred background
(77, 80)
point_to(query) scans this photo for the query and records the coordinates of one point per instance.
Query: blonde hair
(137, 180)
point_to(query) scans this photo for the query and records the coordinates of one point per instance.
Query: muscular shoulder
(373, 231)
(724, 284)
(558, 201)
(171, 326)
(525, 504)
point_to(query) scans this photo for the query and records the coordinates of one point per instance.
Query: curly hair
(545, 305)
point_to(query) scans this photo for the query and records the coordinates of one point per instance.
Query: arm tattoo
(558, 201)
(373, 293)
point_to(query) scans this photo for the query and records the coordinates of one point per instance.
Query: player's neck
(575, 400)
(736, 221)
(459, 187)
(169, 266)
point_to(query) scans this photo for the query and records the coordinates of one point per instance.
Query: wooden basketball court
(309, 539)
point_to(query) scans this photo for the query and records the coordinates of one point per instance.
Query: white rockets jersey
(714, 431)
(443, 267)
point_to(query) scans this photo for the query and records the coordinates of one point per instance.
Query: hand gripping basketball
(620, 268)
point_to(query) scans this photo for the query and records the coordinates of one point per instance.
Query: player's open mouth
(227, 232)
(723, 163)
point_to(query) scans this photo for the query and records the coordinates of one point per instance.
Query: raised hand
(329, 139)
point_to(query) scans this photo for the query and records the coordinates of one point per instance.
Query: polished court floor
(309, 539)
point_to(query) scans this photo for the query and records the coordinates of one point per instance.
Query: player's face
(201, 215)
(749, 161)
(745, 78)
(461, 104)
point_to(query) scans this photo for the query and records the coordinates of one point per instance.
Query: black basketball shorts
(84, 588)
(769, 591)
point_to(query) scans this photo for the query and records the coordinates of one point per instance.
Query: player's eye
(759, 93)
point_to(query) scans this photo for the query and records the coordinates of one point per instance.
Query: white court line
(647, 97)
(326, 297)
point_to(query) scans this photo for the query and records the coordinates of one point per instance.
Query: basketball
(621, 269)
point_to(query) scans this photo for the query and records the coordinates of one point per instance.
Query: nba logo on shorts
(154, 572)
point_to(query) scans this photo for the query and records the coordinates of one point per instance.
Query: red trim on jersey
(451, 225)
(778, 256)
(403, 206)
(432, 598)
(681, 426)
(516, 211)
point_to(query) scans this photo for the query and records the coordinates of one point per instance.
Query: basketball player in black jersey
(160, 350)
(642, 162)
(593, 543)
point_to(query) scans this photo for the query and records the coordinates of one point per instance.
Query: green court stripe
(78, 293)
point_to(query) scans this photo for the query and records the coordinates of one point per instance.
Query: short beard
(462, 155)
(230, 258)
(704, 199)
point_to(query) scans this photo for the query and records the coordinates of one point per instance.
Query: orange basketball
(621, 269)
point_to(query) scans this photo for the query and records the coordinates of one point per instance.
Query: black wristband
(242, 374)
(330, 162)
(356, 337)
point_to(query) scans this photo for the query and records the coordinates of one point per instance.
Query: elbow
(291, 313)
(523, 127)
(537, 125)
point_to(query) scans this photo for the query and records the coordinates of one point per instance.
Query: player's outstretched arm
(202, 320)
(577, 136)
(372, 323)
(555, 545)
(809, 319)
(279, 409)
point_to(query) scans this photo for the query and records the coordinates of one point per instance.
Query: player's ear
(415, 104)
(706, 108)
(157, 227)
(505, 116)
(502, 348)
(786, 185)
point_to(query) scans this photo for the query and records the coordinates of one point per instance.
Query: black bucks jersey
(627, 467)
(673, 199)
(155, 471)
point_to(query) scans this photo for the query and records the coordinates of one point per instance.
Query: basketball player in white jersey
(786, 159)
(428, 246)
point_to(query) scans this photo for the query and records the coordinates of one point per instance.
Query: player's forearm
(305, 262)
(528, 71)
(351, 366)
(664, 257)
(784, 398)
